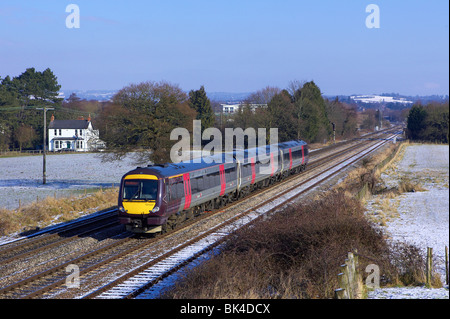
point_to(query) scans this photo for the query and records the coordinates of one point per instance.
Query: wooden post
(446, 265)
(350, 279)
(342, 292)
(351, 274)
(429, 266)
(44, 166)
(359, 286)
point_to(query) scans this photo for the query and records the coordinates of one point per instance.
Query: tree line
(428, 122)
(21, 125)
(140, 117)
(299, 112)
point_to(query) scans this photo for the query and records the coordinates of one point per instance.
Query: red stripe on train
(272, 164)
(222, 180)
(290, 158)
(187, 191)
(252, 160)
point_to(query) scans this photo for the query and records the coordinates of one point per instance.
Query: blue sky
(232, 46)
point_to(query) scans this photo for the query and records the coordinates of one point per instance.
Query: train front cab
(140, 208)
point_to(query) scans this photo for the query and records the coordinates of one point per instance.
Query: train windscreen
(140, 190)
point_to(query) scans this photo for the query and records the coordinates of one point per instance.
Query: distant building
(230, 108)
(234, 108)
(76, 135)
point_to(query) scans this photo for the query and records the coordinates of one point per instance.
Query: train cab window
(140, 190)
(176, 188)
(180, 189)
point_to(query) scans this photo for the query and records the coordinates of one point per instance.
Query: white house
(234, 108)
(76, 135)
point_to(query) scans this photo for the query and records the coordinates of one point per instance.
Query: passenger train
(157, 198)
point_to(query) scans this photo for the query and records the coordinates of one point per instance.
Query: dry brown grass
(50, 210)
(407, 186)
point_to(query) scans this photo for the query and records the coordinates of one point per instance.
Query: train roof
(265, 150)
(172, 169)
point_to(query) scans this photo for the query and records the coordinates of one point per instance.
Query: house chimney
(52, 118)
(89, 118)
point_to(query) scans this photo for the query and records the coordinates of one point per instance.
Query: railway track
(126, 249)
(57, 235)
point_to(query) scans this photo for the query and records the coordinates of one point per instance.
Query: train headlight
(155, 210)
(121, 209)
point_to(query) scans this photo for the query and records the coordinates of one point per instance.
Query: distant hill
(98, 95)
(106, 95)
(227, 96)
(390, 100)
(368, 100)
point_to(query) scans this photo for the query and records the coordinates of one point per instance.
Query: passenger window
(200, 185)
(194, 185)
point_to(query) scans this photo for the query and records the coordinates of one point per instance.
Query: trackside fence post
(350, 279)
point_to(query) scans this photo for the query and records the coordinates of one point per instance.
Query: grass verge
(52, 210)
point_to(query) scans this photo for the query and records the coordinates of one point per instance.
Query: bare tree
(24, 135)
(263, 96)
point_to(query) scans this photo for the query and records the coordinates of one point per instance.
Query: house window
(79, 144)
(81, 132)
(56, 132)
(60, 133)
(57, 144)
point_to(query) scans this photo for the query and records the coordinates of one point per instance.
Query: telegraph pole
(44, 170)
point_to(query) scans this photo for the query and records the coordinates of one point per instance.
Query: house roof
(69, 124)
(68, 139)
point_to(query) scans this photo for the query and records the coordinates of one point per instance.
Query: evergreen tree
(8, 93)
(36, 88)
(281, 112)
(313, 115)
(200, 103)
(416, 122)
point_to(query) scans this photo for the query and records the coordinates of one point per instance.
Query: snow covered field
(420, 218)
(21, 177)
